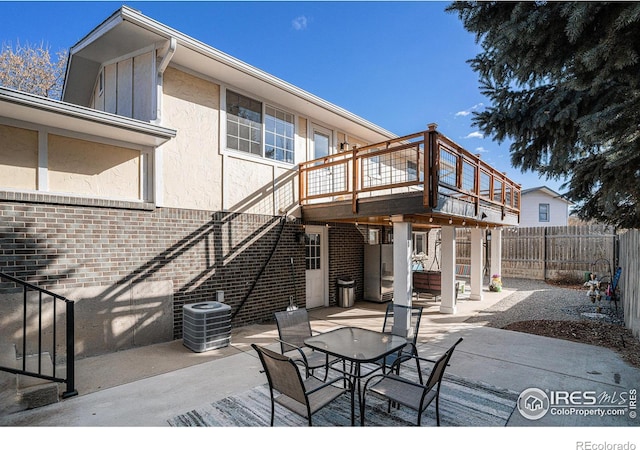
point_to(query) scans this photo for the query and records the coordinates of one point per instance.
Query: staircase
(20, 392)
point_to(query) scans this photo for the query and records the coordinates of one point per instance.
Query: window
(101, 82)
(543, 212)
(312, 251)
(245, 126)
(278, 135)
(419, 243)
(374, 236)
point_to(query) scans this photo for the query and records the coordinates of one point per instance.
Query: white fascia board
(44, 111)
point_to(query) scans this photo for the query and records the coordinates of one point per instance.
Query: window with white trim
(278, 135)
(419, 242)
(543, 212)
(248, 119)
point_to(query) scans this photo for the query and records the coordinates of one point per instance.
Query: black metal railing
(40, 322)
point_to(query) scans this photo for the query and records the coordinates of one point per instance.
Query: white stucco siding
(248, 186)
(192, 164)
(92, 169)
(529, 212)
(18, 158)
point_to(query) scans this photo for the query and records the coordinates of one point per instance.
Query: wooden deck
(425, 177)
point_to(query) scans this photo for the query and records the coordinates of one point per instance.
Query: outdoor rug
(462, 403)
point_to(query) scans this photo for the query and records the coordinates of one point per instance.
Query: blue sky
(401, 65)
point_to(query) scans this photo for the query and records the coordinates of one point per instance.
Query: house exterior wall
(192, 164)
(18, 158)
(128, 268)
(558, 210)
(92, 169)
(70, 165)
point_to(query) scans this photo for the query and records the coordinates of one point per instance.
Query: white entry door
(316, 266)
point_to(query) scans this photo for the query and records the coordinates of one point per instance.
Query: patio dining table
(358, 346)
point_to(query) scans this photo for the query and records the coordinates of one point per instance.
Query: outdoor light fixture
(450, 221)
(431, 219)
(300, 237)
(483, 216)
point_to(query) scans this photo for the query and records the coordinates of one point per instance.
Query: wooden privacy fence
(630, 279)
(549, 253)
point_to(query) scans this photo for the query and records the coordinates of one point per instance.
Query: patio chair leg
(272, 409)
(438, 410)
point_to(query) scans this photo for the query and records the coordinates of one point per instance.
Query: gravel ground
(538, 300)
(563, 312)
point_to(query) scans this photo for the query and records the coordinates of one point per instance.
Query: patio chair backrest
(437, 372)
(414, 327)
(282, 373)
(293, 328)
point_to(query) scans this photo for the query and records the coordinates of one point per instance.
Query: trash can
(346, 293)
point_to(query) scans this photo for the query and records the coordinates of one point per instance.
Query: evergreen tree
(564, 83)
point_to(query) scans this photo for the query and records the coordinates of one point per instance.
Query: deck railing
(40, 322)
(426, 161)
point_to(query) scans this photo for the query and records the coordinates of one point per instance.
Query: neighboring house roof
(31, 108)
(127, 31)
(547, 191)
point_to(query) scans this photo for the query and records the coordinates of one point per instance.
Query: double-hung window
(259, 129)
(543, 212)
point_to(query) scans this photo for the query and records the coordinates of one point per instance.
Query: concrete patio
(144, 387)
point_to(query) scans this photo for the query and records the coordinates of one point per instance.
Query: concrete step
(8, 381)
(21, 392)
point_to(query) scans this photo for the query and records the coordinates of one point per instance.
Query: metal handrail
(426, 149)
(69, 380)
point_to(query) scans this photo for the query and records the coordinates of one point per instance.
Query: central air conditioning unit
(206, 326)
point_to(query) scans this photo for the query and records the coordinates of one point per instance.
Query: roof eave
(43, 111)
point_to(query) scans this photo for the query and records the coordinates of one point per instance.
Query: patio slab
(147, 386)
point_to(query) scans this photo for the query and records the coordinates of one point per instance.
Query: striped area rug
(462, 404)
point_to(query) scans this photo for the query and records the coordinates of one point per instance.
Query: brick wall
(346, 258)
(71, 243)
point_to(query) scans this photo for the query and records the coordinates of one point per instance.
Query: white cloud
(467, 112)
(481, 150)
(299, 23)
(474, 134)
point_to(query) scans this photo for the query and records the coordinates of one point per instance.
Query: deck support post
(496, 251)
(402, 280)
(476, 264)
(448, 269)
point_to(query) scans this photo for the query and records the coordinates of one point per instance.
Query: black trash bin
(346, 292)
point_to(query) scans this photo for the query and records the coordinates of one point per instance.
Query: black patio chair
(405, 392)
(293, 328)
(305, 396)
(408, 351)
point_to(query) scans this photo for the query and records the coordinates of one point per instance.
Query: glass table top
(356, 344)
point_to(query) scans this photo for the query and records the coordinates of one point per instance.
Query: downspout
(164, 62)
(158, 191)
